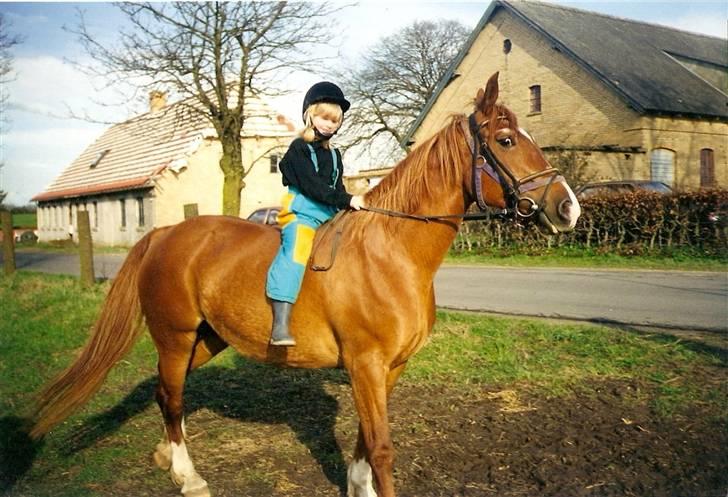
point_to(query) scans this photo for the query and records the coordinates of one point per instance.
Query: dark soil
(293, 436)
(604, 440)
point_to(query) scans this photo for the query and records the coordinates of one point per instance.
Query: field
(25, 220)
(490, 407)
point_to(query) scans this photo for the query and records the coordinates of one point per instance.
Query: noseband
(518, 206)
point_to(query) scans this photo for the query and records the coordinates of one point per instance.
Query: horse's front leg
(372, 382)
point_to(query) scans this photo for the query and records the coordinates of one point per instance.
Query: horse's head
(511, 172)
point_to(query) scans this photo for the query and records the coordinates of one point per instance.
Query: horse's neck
(427, 243)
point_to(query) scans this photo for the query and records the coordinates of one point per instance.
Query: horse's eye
(506, 142)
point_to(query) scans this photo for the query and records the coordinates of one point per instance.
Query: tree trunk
(231, 164)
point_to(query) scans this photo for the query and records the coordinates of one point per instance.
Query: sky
(43, 138)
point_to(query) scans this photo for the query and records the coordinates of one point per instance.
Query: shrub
(636, 223)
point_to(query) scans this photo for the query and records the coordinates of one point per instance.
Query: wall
(263, 187)
(58, 220)
(578, 110)
(200, 182)
(686, 137)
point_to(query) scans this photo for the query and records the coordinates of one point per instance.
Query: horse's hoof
(198, 488)
(163, 456)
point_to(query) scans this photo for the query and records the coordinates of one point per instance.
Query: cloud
(701, 24)
(69, 90)
(35, 157)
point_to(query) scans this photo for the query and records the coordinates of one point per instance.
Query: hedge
(628, 223)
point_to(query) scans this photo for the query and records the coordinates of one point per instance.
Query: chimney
(157, 100)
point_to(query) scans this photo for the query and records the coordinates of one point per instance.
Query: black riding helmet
(325, 92)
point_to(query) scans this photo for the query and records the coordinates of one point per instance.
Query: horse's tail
(116, 330)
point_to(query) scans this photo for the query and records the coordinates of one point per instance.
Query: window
(273, 164)
(96, 215)
(535, 92)
(662, 166)
(707, 168)
(122, 205)
(140, 210)
(98, 158)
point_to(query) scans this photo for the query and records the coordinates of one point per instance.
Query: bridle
(485, 161)
(518, 206)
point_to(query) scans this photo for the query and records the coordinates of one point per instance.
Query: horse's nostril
(565, 209)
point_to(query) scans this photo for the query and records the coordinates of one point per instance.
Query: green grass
(555, 358)
(67, 247)
(46, 318)
(684, 260)
(25, 220)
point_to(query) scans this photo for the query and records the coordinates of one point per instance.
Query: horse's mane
(436, 161)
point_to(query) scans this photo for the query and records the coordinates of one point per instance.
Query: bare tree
(396, 78)
(7, 41)
(215, 55)
(574, 166)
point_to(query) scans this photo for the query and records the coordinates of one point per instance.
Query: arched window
(535, 98)
(662, 166)
(707, 168)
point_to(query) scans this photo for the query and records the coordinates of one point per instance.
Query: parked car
(623, 186)
(265, 215)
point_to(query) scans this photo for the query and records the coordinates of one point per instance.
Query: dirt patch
(293, 435)
(604, 440)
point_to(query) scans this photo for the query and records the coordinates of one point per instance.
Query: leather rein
(483, 161)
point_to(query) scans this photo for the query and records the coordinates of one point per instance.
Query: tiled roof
(647, 65)
(638, 60)
(130, 154)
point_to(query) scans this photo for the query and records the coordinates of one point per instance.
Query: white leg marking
(359, 480)
(184, 474)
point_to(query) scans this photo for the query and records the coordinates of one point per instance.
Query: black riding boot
(281, 317)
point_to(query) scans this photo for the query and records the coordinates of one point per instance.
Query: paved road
(668, 299)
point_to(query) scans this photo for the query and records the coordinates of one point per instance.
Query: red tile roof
(129, 155)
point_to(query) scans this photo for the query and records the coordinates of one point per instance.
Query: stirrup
(283, 342)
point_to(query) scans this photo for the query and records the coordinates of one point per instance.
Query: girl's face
(326, 125)
(325, 117)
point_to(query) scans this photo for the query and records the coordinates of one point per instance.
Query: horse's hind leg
(176, 352)
(208, 345)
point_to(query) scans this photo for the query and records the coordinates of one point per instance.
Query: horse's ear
(486, 100)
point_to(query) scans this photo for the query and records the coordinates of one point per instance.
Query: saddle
(327, 236)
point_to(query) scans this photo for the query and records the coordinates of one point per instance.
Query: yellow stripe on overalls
(303, 244)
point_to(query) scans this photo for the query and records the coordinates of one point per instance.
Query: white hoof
(195, 486)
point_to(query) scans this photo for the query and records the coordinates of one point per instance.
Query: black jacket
(298, 171)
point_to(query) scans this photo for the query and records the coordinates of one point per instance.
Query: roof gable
(130, 154)
(639, 61)
(654, 69)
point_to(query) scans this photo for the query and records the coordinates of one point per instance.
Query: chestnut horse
(200, 286)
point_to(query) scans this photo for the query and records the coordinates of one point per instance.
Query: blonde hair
(327, 110)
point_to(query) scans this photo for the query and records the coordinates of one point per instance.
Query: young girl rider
(313, 172)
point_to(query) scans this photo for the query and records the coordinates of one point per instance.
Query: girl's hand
(357, 202)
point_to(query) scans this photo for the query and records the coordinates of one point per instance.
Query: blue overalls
(299, 219)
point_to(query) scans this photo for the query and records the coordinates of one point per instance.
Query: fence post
(6, 218)
(190, 210)
(85, 249)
